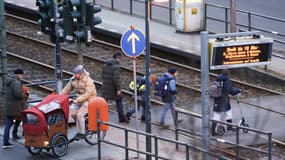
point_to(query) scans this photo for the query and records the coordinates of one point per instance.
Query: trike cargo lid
(53, 102)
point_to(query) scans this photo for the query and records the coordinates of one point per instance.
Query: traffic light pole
(80, 54)
(147, 75)
(3, 44)
(58, 67)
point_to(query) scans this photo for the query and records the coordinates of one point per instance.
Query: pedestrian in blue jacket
(169, 98)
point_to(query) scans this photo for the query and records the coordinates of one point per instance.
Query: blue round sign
(133, 43)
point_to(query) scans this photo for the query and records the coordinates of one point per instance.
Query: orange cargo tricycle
(46, 124)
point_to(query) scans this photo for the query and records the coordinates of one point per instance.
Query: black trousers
(15, 127)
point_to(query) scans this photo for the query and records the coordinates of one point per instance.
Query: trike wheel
(59, 145)
(34, 150)
(92, 137)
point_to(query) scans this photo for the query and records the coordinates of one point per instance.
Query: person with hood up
(83, 86)
(111, 89)
(14, 103)
(222, 104)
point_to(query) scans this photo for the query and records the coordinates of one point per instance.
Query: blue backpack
(161, 86)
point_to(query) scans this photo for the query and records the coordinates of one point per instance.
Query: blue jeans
(8, 125)
(166, 106)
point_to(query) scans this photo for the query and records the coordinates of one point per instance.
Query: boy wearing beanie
(169, 98)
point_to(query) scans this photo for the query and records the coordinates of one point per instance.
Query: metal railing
(156, 139)
(170, 9)
(236, 144)
(209, 17)
(246, 26)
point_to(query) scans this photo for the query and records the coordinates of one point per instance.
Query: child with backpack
(165, 87)
(140, 82)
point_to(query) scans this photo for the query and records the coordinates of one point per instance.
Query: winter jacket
(111, 80)
(222, 103)
(170, 97)
(84, 87)
(14, 97)
(140, 82)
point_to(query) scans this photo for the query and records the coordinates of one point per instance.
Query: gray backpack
(215, 90)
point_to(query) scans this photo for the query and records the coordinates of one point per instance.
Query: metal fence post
(249, 21)
(170, 12)
(99, 139)
(226, 20)
(126, 144)
(131, 6)
(237, 143)
(176, 128)
(187, 152)
(112, 4)
(156, 147)
(269, 146)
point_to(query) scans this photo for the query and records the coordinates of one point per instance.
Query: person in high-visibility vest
(140, 96)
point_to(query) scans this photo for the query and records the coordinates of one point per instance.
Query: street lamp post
(147, 64)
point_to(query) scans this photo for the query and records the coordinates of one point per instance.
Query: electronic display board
(240, 52)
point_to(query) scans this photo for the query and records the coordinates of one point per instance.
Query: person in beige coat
(84, 88)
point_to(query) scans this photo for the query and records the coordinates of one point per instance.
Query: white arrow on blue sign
(132, 42)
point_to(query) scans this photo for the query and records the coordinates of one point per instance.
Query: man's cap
(117, 55)
(78, 69)
(18, 71)
(172, 70)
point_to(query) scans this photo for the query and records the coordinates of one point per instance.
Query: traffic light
(46, 11)
(68, 25)
(83, 34)
(78, 11)
(92, 20)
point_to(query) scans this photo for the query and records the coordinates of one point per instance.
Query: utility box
(190, 15)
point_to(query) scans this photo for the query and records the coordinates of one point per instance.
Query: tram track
(67, 74)
(23, 41)
(46, 70)
(126, 66)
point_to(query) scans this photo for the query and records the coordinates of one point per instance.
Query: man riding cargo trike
(46, 124)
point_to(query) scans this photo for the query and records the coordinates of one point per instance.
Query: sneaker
(124, 120)
(163, 126)
(16, 137)
(128, 116)
(142, 119)
(79, 136)
(9, 145)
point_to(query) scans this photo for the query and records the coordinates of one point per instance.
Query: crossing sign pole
(133, 45)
